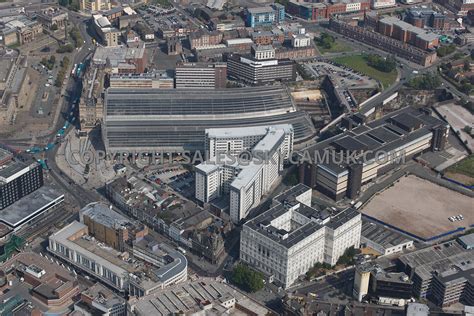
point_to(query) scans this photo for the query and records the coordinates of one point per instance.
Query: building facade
(243, 181)
(400, 135)
(288, 239)
(258, 72)
(18, 180)
(201, 76)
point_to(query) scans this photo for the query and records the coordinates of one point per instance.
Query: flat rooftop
(117, 54)
(188, 297)
(90, 247)
(314, 219)
(420, 207)
(440, 257)
(104, 214)
(382, 235)
(380, 135)
(10, 169)
(244, 131)
(30, 206)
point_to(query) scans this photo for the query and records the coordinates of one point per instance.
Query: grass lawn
(465, 167)
(358, 63)
(336, 48)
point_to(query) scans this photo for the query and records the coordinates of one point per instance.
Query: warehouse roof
(381, 235)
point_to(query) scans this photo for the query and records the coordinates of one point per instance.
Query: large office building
(176, 120)
(73, 244)
(264, 16)
(374, 148)
(244, 181)
(18, 180)
(201, 76)
(76, 247)
(453, 285)
(261, 67)
(442, 273)
(287, 240)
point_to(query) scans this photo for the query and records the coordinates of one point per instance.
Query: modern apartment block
(264, 16)
(233, 141)
(289, 238)
(376, 147)
(243, 179)
(201, 76)
(18, 180)
(407, 33)
(394, 46)
(261, 67)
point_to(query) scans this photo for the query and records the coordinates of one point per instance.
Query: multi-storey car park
(175, 120)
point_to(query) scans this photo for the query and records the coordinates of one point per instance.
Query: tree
(426, 81)
(445, 50)
(347, 258)
(247, 279)
(325, 40)
(467, 65)
(54, 27)
(383, 64)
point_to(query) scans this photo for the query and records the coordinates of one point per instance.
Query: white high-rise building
(288, 239)
(233, 141)
(243, 179)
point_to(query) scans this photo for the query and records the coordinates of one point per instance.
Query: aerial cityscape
(236, 157)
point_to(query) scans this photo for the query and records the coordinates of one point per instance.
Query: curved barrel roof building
(161, 119)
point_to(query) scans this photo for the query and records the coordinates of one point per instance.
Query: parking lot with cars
(345, 76)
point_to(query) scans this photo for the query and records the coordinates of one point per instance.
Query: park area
(359, 63)
(462, 171)
(336, 47)
(420, 207)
